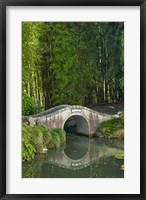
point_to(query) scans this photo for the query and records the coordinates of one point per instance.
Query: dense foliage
(113, 128)
(72, 63)
(37, 138)
(29, 106)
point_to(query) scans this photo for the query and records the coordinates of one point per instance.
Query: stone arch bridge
(87, 120)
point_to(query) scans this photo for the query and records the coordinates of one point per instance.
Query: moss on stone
(113, 128)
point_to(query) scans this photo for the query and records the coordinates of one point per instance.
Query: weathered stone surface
(32, 121)
(87, 119)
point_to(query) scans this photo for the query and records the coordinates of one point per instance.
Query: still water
(82, 157)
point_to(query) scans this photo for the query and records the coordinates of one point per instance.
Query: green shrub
(55, 143)
(113, 128)
(29, 107)
(27, 104)
(28, 151)
(36, 138)
(26, 132)
(113, 124)
(61, 133)
(47, 137)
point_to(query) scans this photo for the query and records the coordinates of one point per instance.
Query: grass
(120, 156)
(113, 128)
(37, 138)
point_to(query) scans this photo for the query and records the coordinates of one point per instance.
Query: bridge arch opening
(76, 124)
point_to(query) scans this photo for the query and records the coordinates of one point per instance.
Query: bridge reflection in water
(82, 157)
(81, 152)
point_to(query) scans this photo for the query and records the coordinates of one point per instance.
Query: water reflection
(81, 152)
(76, 147)
(81, 157)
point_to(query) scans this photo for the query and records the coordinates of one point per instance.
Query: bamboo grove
(71, 63)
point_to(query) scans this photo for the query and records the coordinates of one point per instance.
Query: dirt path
(108, 109)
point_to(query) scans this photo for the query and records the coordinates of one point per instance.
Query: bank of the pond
(120, 157)
(112, 129)
(39, 139)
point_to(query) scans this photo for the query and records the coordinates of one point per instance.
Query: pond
(81, 157)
